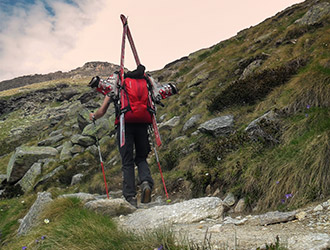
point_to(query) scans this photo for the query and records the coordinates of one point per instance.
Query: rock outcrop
(315, 14)
(184, 212)
(24, 157)
(30, 220)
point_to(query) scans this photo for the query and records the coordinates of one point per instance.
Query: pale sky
(43, 36)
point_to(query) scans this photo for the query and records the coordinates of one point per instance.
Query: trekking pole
(160, 170)
(100, 155)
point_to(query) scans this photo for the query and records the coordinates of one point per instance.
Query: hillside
(251, 122)
(99, 68)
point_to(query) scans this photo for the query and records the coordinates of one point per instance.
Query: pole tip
(168, 201)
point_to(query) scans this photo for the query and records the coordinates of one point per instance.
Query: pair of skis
(127, 32)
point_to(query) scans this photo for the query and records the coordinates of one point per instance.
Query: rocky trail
(198, 221)
(203, 222)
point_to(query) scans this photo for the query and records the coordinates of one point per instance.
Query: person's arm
(101, 111)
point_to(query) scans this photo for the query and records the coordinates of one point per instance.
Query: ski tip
(123, 17)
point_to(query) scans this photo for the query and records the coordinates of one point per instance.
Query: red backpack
(136, 101)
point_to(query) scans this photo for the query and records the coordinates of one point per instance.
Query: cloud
(36, 37)
(42, 36)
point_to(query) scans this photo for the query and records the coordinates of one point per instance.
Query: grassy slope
(73, 227)
(263, 175)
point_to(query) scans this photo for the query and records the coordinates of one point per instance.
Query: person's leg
(142, 148)
(126, 153)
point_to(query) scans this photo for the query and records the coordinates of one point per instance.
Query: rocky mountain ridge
(87, 70)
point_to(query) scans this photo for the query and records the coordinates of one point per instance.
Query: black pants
(136, 134)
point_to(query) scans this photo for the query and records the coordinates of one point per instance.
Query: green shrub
(255, 87)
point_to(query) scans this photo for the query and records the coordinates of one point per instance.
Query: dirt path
(194, 220)
(294, 234)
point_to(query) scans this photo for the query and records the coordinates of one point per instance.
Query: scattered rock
(30, 177)
(83, 119)
(77, 149)
(76, 179)
(251, 68)
(67, 94)
(219, 126)
(217, 193)
(48, 176)
(84, 197)
(240, 206)
(192, 122)
(318, 208)
(101, 128)
(229, 200)
(56, 132)
(201, 77)
(52, 141)
(83, 140)
(92, 149)
(66, 151)
(47, 162)
(264, 38)
(326, 204)
(258, 127)
(170, 123)
(30, 220)
(110, 207)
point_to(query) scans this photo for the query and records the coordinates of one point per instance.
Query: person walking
(137, 120)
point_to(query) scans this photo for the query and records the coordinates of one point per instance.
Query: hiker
(137, 120)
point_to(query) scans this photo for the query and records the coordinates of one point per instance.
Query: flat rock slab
(311, 241)
(273, 218)
(110, 207)
(54, 140)
(180, 213)
(219, 126)
(84, 197)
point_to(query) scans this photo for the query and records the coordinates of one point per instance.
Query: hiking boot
(132, 201)
(146, 192)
